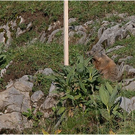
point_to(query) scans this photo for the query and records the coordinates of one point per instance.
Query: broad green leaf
(70, 77)
(61, 110)
(109, 88)
(113, 97)
(82, 86)
(105, 114)
(104, 95)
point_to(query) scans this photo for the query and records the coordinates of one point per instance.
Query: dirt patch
(40, 19)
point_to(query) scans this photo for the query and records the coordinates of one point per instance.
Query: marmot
(106, 66)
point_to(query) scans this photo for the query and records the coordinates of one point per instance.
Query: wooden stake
(66, 53)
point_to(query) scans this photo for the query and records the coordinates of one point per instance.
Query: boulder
(127, 104)
(13, 121)
(47, 71)
(131, 86)
(36, 96)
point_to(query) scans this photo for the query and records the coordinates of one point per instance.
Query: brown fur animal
(106, 66)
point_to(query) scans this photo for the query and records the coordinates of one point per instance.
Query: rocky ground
(17, 97)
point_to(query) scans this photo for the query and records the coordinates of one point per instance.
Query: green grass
(28, 60)
(83, 10)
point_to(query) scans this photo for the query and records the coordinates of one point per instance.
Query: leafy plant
(76, 85)
(108, 96)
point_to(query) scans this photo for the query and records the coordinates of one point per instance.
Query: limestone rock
(131, 71)
(80, 28)
(13, 121)
(115, 48)
(127, 81)
(71, 20)
(42, 37)
(51, 90)
(125, 104)
(51, 37)
(37, 96)
(124, 59)
(130, 27)
(23, 85)
(47, 71)
(83, 38)
(131, 86)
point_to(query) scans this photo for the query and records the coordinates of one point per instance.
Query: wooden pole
(66, 61)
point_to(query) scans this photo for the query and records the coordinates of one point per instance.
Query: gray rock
(114, 56)
(115, 48)
(109, 37)
(42, 37)
(19, 32)
(47, 71)
(23, 85)
(105, 23)
(122, 15)
(71, 34)
(80, 28)
(26, 104)
(3, 71)
(14, 101)
(88, 23)
(100, 32)
(131, 86)
(125, 104)
(54, 25)
(130, 27)
(83, 38)
(51, 90)
(127, 81)
(37, 96)
(13, 121)
(48, 103)
(130, 18)
(131, 71)
(71, 20)
(2, 38)
(29, 26)
(51, 37)
(124, 59)
(11, 97)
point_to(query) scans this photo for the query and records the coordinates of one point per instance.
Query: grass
(83, 10)
(28, 59)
